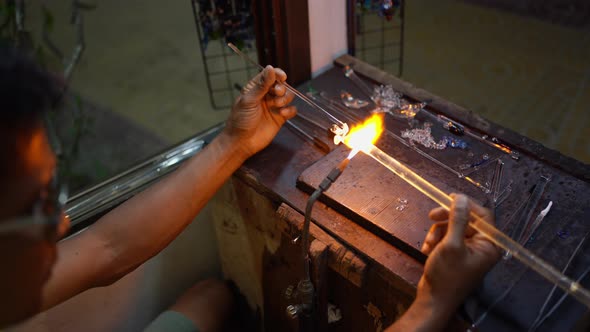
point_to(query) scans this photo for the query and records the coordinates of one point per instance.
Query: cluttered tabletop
(541, 199)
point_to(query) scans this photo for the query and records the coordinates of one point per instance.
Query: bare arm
(143, 226)
(459, 257)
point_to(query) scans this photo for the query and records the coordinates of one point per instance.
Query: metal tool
(532, 203)
(314, 139)
(339, 128)
(535, 225)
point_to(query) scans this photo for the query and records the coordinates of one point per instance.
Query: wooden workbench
(371, 281)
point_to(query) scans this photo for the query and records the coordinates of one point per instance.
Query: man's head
(26, 169)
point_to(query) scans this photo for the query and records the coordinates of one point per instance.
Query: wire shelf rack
(376, 35)
(219, 22)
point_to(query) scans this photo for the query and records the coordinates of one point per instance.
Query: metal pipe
(324, 185)
(107, 194)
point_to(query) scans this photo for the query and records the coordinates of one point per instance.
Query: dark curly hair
(27, 91)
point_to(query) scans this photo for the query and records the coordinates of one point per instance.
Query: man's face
(26, 261)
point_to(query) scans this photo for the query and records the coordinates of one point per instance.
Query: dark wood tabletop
(515, 293)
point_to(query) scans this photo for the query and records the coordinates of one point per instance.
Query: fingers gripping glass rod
(289, 87)
(492, 233)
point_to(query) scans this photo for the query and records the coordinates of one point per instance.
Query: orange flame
(361, 137)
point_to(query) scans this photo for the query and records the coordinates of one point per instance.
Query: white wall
(132, 302)
(327, 28)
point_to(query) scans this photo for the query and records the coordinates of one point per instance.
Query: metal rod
(289, 87)
(488, 230)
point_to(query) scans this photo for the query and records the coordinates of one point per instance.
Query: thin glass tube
(289, 87)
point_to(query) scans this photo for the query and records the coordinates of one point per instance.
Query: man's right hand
(459, 257)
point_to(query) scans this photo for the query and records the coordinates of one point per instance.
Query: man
(39, 274)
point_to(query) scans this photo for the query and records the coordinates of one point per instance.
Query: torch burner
(305, 287)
